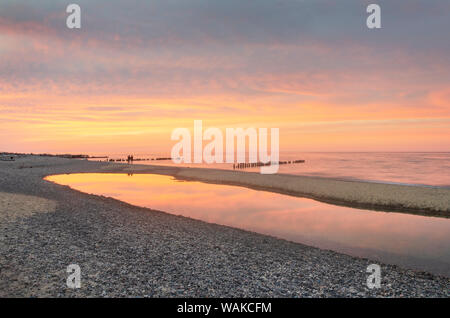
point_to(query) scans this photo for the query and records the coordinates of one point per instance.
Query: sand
(14, 206)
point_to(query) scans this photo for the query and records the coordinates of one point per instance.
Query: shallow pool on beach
(412, 241)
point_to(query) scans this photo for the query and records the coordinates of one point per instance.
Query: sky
(136, 70)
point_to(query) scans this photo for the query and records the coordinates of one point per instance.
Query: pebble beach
(129, 251)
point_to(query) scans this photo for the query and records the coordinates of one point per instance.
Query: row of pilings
(246, 165)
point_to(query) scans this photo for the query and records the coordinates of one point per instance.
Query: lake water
(413, 241)
(414, 168)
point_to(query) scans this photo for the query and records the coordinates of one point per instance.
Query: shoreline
(127, 251)
(419, 200)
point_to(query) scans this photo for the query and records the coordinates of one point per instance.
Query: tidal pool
(412, 241)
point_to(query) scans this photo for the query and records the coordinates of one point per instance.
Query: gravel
(128, 251)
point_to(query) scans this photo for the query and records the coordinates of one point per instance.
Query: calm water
(412, 241)
(407, 168)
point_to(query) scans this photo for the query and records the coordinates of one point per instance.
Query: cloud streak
(229, 61)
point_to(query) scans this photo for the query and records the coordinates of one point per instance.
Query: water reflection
(413, 241)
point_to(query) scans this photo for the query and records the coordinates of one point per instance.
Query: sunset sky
(136, 70)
